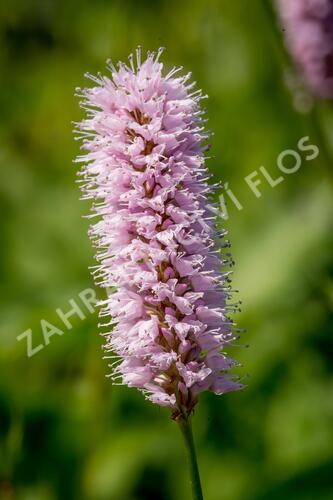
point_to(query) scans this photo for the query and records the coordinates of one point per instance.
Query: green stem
(315, 124)
(186, 428)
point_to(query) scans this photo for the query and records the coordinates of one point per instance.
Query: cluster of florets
(158, 246)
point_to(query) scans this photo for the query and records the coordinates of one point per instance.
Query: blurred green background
(65, 431)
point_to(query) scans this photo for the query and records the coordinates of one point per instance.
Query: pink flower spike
(157, 239)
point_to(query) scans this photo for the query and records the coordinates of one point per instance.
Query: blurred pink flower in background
(308, 29)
